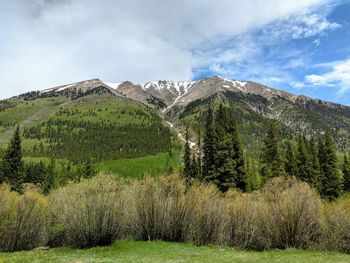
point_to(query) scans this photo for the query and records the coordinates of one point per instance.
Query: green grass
(134, 251)
(153, 165)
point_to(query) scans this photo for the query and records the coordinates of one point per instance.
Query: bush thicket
(98, 211)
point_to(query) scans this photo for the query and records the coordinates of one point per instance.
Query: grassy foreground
(136, 251)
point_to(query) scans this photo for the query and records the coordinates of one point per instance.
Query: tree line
(16, 173)
(222, 160)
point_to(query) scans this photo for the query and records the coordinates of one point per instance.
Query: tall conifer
(209, 148)
(315, 166)
(290, 165)
(13, 166)
(272, 164)
(187, 158)
(332, 184)
(346, 173)
(303, 160)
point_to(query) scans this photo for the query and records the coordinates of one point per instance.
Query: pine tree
(199, 156)
(332, 184)
(315, 166)
(187, 158)
(88, 170)
(209, 148)
(225, 165)
(271, 158)
(303, 160)
(194, 167)
(13, 166)
(322, 162)
(238, 158)
(169, 166)
(346, 173)
(290, 165)
(50, 174)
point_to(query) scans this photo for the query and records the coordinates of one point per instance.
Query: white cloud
(297, 85)
(317, 42)
(50, 42)
(338, 75)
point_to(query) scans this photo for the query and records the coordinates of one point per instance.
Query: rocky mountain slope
(186, 101)
(298, 113)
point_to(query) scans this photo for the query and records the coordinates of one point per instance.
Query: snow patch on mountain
(186, 86)
(66, 87)
(113, 85)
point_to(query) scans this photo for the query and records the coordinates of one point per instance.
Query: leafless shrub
(337, 236)
(206, 214)
(159, 208)
(89, 213)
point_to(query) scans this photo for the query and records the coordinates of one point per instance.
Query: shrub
(160, 210)
(89, 213)
(206, 214)
(294, 214)
(241, 225)
(22, 219)
(338, 228)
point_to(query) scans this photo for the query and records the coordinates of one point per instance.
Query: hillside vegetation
(286, 213)
(96, 127)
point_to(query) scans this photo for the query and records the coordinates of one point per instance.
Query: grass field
(137, 167)
(133, 251)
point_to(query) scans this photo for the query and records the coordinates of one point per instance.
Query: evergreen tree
(315, 166)
(50, 174)
(238, 158)
(13, 166)
(199, 156)
(209, 148)
(194, 167)
(169, 166)
(322, 162)
(332, 184)
(187, 158)
(303, 160)
(290, 165)
(271, 158)
(346, 173)
(88, 170)
(224, 163)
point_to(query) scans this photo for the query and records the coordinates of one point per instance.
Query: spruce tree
(50, 174)
(322, 162)
(209, 148)
(346, 173)
(303, 160)
(238, 158)
(272, 163)
(315, 166)
(194, 167)
(13, 166)
(88, 170)
(187, 158)
(225, 165)
(199, 156)
(332, 184)
(290, 165)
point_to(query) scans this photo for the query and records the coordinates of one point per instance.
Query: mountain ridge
(175, 100)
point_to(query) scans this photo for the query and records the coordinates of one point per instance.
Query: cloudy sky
(300, 46)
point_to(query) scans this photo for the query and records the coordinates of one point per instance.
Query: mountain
(299, 114)
(126, 119)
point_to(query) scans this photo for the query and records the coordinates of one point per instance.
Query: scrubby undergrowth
(285, 213)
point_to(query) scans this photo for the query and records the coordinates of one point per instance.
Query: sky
(299, 46)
